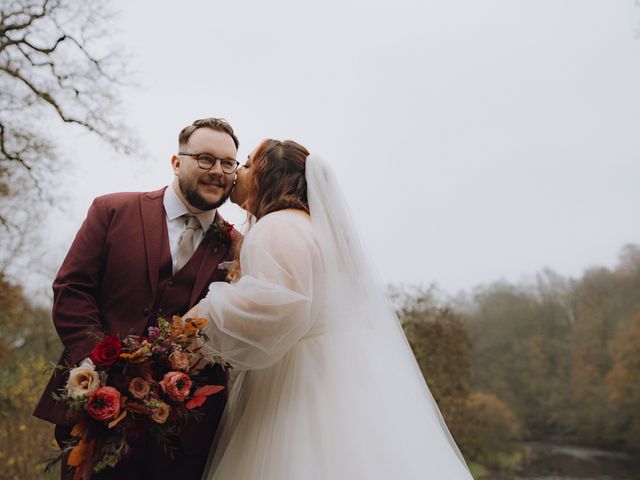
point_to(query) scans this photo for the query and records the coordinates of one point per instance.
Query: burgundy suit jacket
(110, 280)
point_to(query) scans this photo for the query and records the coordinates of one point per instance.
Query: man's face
(204, 189)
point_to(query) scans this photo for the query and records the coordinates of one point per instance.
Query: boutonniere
(221, 232)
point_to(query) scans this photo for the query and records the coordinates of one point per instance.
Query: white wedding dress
(329, 388)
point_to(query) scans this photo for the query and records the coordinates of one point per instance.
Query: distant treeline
(557, 359)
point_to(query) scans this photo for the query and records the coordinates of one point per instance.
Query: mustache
(219, 183)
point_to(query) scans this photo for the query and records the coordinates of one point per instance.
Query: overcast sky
(476, 140)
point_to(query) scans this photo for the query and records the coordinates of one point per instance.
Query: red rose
(104, 404)
(107, 352)
(177, 385)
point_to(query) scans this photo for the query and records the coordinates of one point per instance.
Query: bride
(329, 387)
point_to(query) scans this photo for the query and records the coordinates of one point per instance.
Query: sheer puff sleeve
(252, 323)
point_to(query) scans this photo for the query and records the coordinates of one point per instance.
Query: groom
(140, 256)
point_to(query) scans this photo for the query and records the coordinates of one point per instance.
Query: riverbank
(548, 461)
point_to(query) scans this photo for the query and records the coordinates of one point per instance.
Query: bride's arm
(252, 323)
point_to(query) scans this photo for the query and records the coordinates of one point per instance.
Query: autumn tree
(547, 349)
(442, 349)
(520, 348)
(494, 430)
(27, 344)
(58, 70)
(623, 382)
(606, 300)
(60, 74)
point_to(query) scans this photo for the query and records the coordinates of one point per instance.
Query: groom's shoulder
(125, 199)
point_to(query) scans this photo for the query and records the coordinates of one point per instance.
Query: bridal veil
(329, 387)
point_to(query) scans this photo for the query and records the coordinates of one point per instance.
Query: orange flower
(177, 326)
(195, 324)
(82, 454)
(118, 419)
(139, 356)
(201, 394)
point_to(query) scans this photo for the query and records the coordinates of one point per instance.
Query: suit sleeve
(75, 314)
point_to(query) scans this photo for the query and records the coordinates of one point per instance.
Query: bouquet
(130, 386)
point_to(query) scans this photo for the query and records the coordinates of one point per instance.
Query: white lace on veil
(354, 288)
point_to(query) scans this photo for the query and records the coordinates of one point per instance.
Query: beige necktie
(185, 242)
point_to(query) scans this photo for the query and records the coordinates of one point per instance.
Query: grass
(477, 470)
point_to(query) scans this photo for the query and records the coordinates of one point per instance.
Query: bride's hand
(193, 313)
(196, 362)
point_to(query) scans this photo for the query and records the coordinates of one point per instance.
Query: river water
(545, 461)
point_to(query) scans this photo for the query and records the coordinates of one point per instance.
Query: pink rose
(177, 385)
(104, 404)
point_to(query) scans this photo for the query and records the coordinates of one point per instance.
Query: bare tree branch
(22, 26)
(58, 66)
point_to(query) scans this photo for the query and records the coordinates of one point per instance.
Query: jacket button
(159, 311)
(146, 312)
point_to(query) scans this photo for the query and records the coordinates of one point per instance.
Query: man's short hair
(219, 124)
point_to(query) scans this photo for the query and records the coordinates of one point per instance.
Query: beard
(190, 192)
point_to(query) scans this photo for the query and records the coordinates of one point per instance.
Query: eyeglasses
(207, 162)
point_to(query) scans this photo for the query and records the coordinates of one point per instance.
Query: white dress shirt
(174, 209)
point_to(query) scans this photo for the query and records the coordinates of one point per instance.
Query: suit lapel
(152, 212)
(212, 257)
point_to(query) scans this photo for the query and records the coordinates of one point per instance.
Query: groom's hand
(196, 364)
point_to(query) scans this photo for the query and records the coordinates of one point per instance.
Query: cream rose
(161, 412)
(179, 360)
(83, 380)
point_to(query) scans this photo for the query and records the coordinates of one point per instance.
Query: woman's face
(243, 179)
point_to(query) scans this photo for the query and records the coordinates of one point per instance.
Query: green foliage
(442, 349)
(558, 353)
(557, 360)
(520, 348)
(25, 343)
(623, 382)
(24, 440)
(110, 453)
(477, 470)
